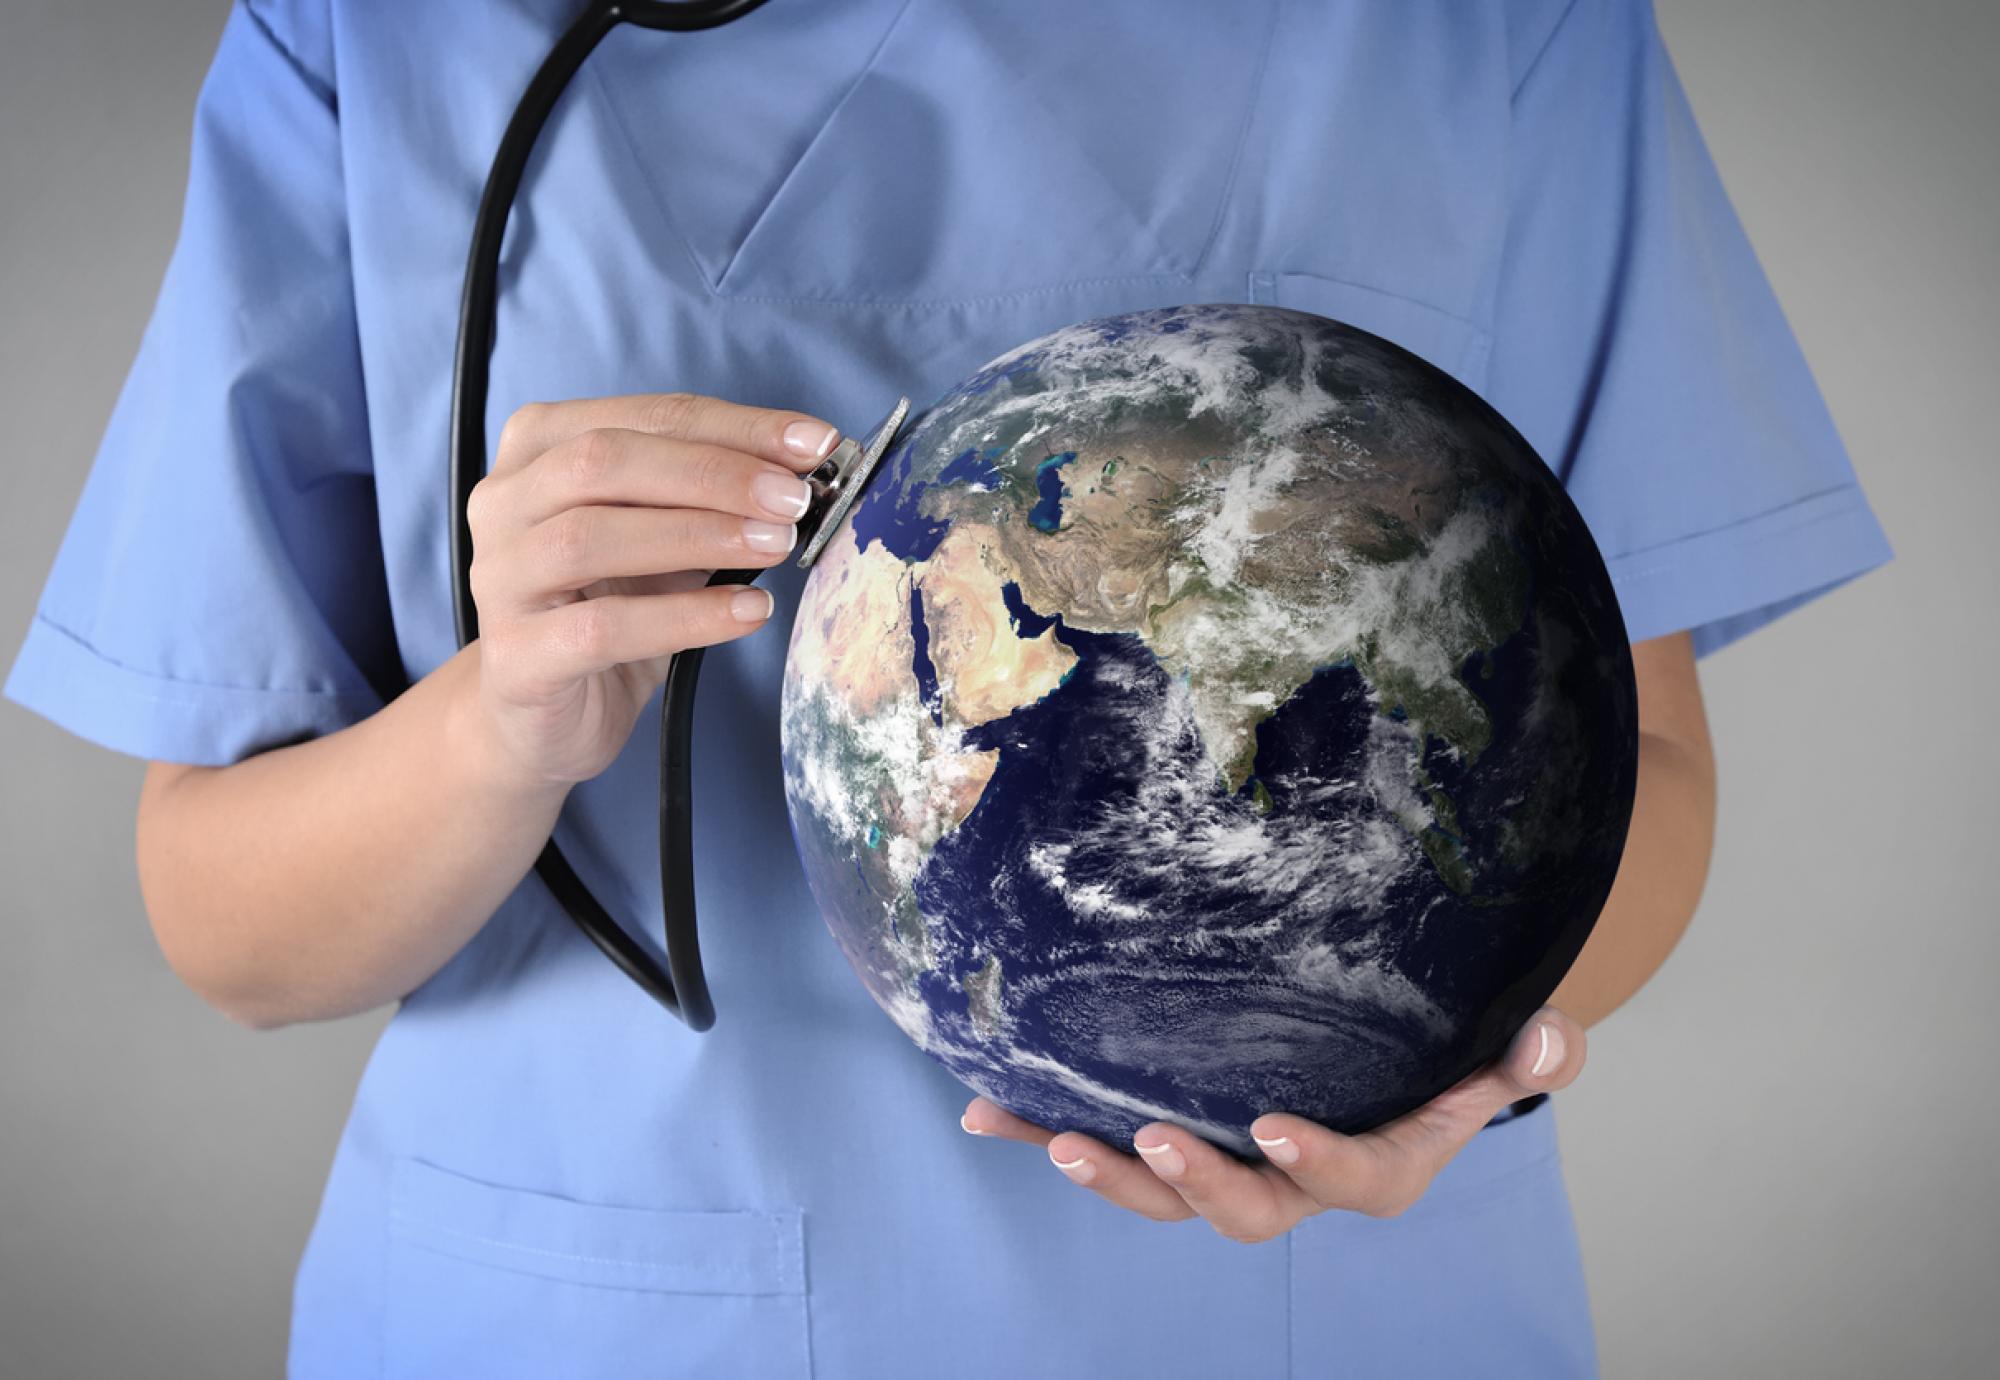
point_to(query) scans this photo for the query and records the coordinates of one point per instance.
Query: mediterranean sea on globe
(1210, 711)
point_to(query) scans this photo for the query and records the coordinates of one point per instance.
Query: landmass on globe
(1208, 711)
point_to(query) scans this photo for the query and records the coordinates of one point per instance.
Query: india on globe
(1210, 711)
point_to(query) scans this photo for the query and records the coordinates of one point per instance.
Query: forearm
(1659, 880)
(334, 875)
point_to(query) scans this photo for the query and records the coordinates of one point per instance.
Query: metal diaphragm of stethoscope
(680, 985)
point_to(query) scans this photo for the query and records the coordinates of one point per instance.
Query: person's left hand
(1177, 1174)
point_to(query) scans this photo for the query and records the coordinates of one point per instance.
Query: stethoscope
(680, 986)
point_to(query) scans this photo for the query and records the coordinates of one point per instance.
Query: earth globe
(1205, 712)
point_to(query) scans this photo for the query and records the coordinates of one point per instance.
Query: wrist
(477, 750)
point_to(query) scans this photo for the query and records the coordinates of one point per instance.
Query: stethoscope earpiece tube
(685, 991)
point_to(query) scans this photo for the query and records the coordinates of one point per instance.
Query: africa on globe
(1205, 712)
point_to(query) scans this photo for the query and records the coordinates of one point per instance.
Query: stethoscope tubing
(681, 985)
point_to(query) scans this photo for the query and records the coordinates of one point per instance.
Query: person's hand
(592, 538)
(1309, 1169)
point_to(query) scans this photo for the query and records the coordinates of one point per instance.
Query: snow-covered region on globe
(1209, 711)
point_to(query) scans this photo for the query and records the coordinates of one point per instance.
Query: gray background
(1782, 1156)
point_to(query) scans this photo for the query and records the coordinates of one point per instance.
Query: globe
(1206, 712)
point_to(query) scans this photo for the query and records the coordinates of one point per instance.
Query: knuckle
(482, 584)
(710, 471)
(523, 424)
(569, 539)
(1250, 1226)
(482, 505)
(498, 652)
(589, 629)
(708, 620)
(716, 539)
(671, 414)
(681, 623)
(761, 430)
(592, 457)
(672, 541)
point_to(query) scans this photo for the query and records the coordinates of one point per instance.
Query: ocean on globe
(1206, 712)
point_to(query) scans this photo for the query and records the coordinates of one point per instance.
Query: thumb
(1545, 1054)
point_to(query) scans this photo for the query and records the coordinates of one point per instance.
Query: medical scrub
(823, 206)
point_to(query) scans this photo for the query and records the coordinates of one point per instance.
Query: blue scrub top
(823, 206)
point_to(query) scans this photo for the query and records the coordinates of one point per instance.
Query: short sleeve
(220, 588)
(1640, 348)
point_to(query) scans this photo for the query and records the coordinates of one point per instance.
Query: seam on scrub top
(805, 1287)
(321, 90)
(518, 1248)
(368, 696)
(631, 143)
(528, 1269)
(1066, 285)
(1807, 520)
(1291, 1288)
(1548, 42)
(806, 153)
(1242, 139)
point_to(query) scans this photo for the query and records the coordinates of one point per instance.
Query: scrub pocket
(502, 1282)
(1482, 1277)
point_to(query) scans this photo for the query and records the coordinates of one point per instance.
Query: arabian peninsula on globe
(1205, 712)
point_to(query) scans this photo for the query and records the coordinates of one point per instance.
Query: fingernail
(1167, 1162)
(750, 605)
(1080, 1170)
(1551, 1054)
(814, 440)
(1280, 1151)
(769, 536)
(969, 1128)
(782, 495)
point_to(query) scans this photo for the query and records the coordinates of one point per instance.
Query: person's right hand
(592, 539)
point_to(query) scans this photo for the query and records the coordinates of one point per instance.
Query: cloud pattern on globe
(1210, 711)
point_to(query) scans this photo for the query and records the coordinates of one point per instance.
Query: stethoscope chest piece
(839, 480)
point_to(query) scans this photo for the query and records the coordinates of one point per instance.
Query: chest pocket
(502, 1282)
(924, 153)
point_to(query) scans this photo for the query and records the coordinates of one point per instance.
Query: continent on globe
(1210, 711)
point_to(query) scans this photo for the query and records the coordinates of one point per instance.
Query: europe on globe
(1205, 712)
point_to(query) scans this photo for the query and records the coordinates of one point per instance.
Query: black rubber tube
(682, 987)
